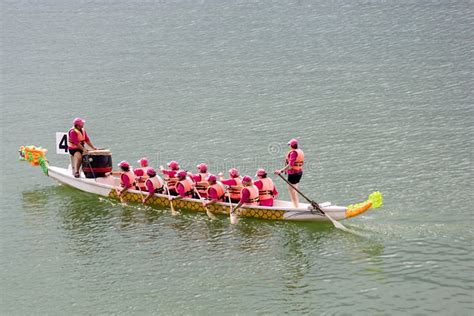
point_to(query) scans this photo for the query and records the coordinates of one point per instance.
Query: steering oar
(316, 206)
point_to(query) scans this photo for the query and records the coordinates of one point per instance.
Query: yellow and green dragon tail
(375, 200)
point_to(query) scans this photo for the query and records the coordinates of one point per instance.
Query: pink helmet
(293, 142)
(202, 167)
(233, 172)
(211, 177)
(124, 164)
(173, 165)
(181, 174)
(78, 121)
(260, 172)
(143, 162)
(246, 179)
(151, 172)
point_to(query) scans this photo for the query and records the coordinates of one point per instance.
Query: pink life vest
(219, 187)
(188, 185)
(157, 183)
(131, 179)
(253, 198)
(143, 178)
(298, 163)
(202, 185)
(266, 192)
(81, 137)
(234, 190)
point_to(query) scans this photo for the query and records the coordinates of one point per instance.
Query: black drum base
(96, 166)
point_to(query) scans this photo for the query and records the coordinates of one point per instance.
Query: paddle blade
(209, 214)
(234, 219)
(173, 211)
(338, 225)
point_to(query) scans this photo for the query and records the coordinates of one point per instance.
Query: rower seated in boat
(234, 184)
(170, 176)
(154, 184)
(200, 180)
(141, 173)
(127, 178)
(248, 194)
(266, 188)
(184, 187)
(215, 192)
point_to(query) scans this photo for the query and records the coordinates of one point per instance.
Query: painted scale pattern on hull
(196, 206)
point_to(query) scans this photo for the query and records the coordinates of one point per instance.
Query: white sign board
(61, 143)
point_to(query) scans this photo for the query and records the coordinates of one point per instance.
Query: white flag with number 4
(61, 143)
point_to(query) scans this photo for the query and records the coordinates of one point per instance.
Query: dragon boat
(106, 184)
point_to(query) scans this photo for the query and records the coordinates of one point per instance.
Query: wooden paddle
(209, 213)
(173, 211)
(233, 217)
(316, 206)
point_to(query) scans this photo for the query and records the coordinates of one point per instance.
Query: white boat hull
(282, 210)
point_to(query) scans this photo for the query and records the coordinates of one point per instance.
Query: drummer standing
(77, 138)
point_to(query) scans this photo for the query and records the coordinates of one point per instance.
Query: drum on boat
(96, 163)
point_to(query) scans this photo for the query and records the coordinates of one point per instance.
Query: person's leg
(297, 197)
(293, 180)
(292, 196)
(73, 165)
(77, 162)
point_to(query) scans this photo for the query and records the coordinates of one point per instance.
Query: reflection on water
(252, 236)
(313, 255)
(373, 252)
(301, 249)
(36, 200)
(35, 203)
(295, 261)
(88, 220)
(81, 218)
(304, 258)
(83, 214)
